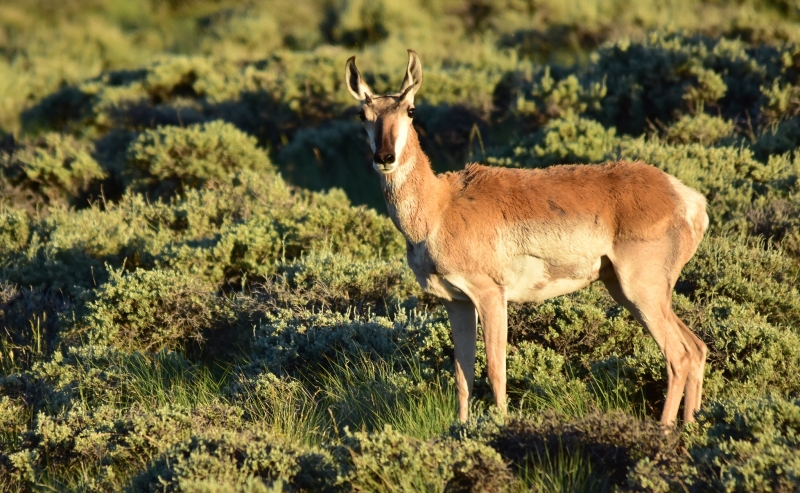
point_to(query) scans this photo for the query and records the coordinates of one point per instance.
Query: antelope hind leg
(638, 282)
(694, 381)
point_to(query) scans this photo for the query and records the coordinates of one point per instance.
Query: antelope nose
(384, 157)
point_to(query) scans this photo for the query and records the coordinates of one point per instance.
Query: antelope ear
(355, 83)
(413, 79)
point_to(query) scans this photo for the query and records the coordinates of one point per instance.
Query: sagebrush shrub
(338, 282)
(557, 99)
(240, 460)
(14, 230)
(783, 101)
(169, 159)
(571, 139)
(54, 168)
(152, 310)
(292, 340)
(649, 81)
(332, 155)
(239, 230)
(747, 353)
(106, 440)
(701, 128)
(756, 275)
(748, 445)
(777, 220)
(391, 461)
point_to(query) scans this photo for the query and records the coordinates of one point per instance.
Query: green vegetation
(198, 289)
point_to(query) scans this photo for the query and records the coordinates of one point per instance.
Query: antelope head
(387, 119)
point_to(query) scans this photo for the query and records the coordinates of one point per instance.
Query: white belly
(533, 279)
(526, 278)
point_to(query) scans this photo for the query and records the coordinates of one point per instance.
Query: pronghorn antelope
(484, 236)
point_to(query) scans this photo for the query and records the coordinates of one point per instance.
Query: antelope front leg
(493, 311)
(464, 326)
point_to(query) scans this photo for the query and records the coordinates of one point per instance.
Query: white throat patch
(397, 177)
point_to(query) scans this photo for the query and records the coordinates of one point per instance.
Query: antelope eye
(411, 112)
(362, 115)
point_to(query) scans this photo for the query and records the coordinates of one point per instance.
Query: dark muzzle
(383, 157)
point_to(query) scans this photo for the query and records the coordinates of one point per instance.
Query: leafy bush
(748, 445)
(290, 341)
(762, 278)
(563, 140)
(108, 442)
(168, 160)
(14, 230)
(251, 460)
(777, 220)
(558, 99)
(332, 155)
(241, 228)
(669, 73)
(152, 310)
(372, 462)
(53, 168)
(390, 461)
(701, 128)
(749, 354)
(339, 282)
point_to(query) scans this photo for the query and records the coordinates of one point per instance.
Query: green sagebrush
(244, 226)
(173, 159)
(49, 170)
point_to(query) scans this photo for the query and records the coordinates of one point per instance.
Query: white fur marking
(371, 134)
(400, 143)
(396, 177)
(692, 201)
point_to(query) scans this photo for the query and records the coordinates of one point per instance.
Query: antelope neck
(413, 192)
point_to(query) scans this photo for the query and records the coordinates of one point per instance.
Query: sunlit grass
(168, 379)
(601, 391)
(365, 394)
(562, 472)
(611, 394)
(151, 381)
(288, 408)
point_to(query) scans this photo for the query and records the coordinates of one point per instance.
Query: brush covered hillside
(200, 291)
